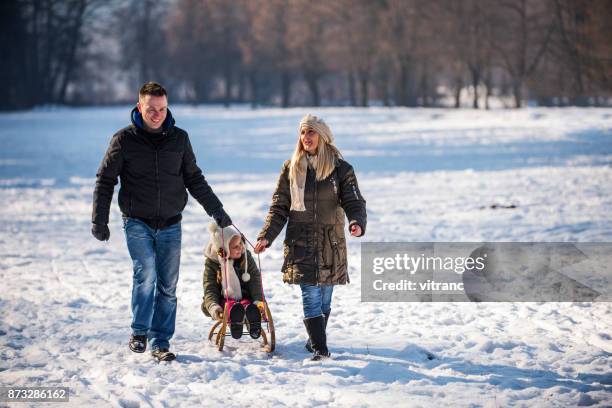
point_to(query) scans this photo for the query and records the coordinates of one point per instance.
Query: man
(155, 162)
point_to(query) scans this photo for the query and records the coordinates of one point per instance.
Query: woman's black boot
(307, 346)
(315, 326)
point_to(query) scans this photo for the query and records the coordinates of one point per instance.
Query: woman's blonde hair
(324, 161)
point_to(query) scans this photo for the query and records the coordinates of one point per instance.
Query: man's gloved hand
(221, 218)
(100, 231)
(216, 312)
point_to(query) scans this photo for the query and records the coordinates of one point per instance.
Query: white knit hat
(318, 125)
(220, 239)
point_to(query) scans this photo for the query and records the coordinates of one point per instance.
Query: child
(243, 282)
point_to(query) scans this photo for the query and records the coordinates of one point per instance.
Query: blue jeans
(316, 299)
(156, 255)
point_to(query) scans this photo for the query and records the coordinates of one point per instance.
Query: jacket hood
(138, 122)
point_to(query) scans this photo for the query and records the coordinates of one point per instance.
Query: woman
(315, 190)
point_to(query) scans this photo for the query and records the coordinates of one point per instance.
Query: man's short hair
(153, 89)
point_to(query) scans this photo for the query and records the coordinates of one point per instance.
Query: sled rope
(225, 266)
(263, 296)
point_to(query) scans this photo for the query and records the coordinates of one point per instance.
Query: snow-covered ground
(427, 175)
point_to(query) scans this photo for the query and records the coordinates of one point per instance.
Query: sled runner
(219, 330)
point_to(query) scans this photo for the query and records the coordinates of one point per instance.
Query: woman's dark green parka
(315, 244)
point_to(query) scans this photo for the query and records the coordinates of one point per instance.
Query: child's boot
(254, 318)
(236, 317)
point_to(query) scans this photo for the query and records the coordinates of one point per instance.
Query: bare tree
(265, 52)
(403, 52)
(227, 21)
(308, 38)
(192, 48)
(478, 48)
(45, 37)
(355, 27)
(581, 48)
(523, 31)
(141, 38)
(14, 74)
(402, 25)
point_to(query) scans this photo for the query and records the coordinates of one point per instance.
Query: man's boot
(307, 345)
(315, 326)
(138, 343)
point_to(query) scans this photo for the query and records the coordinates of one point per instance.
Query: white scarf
(298, 185)
(234, 291)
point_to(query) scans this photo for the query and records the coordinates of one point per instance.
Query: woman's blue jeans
(156, 256)
(316, 299)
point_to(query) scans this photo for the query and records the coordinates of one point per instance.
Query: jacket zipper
(316, 229)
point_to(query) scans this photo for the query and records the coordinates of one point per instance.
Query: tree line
(308, 52)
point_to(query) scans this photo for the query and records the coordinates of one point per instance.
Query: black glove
(221, 218)
(101, 232)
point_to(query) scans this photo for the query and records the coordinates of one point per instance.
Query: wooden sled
(267, 330)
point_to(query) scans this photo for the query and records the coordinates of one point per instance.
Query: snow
(428, 175)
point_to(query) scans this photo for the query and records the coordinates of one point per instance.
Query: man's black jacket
(154, 169)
